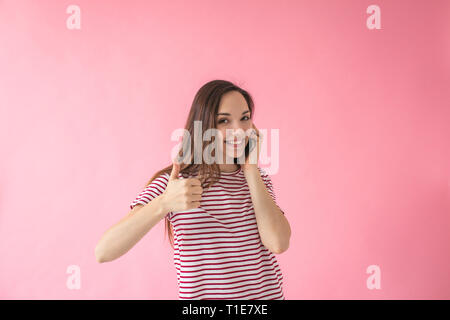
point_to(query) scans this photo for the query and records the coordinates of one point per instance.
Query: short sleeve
(154, 189)
(268, 182)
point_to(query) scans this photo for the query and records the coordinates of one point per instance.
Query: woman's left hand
(253, 157)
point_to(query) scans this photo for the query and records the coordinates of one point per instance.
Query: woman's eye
(244, 118)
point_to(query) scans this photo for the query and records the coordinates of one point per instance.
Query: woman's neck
(228, 167)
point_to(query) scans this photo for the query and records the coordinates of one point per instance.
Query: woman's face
(233, 115)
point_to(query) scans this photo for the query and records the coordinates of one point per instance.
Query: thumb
(175, 170)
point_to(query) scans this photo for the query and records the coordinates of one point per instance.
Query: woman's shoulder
(162, 178)
(262, 171)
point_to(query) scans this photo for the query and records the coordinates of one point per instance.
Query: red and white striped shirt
(218, 253)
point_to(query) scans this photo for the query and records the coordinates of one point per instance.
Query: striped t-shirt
(218, 253)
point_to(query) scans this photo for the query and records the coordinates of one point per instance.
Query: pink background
(86, 117)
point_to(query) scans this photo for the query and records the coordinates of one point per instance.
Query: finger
(195, 197)
(194, 204)
(256, 131)
(196, 190)
(175, 170)
(193, 182)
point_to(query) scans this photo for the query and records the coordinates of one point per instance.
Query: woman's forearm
(121, 237)
(274, 228)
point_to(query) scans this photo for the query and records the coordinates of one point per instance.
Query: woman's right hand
(181, 194)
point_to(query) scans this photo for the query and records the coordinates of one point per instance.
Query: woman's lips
(235, 144)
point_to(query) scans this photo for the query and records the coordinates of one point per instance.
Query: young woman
(222, 218)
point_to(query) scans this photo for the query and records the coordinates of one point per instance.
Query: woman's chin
(234, 154)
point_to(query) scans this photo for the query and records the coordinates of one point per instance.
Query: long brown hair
(204, 108)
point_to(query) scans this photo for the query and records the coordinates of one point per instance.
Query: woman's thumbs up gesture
(181, 194)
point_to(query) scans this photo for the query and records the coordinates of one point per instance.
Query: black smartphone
(251, 144)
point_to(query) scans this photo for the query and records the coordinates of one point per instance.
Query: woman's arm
(273, 226)
(121, 237)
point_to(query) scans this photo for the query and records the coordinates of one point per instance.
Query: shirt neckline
(231, 173)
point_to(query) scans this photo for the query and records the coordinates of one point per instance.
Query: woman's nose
(237, 132)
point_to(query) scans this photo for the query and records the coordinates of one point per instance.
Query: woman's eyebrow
(227, 114)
